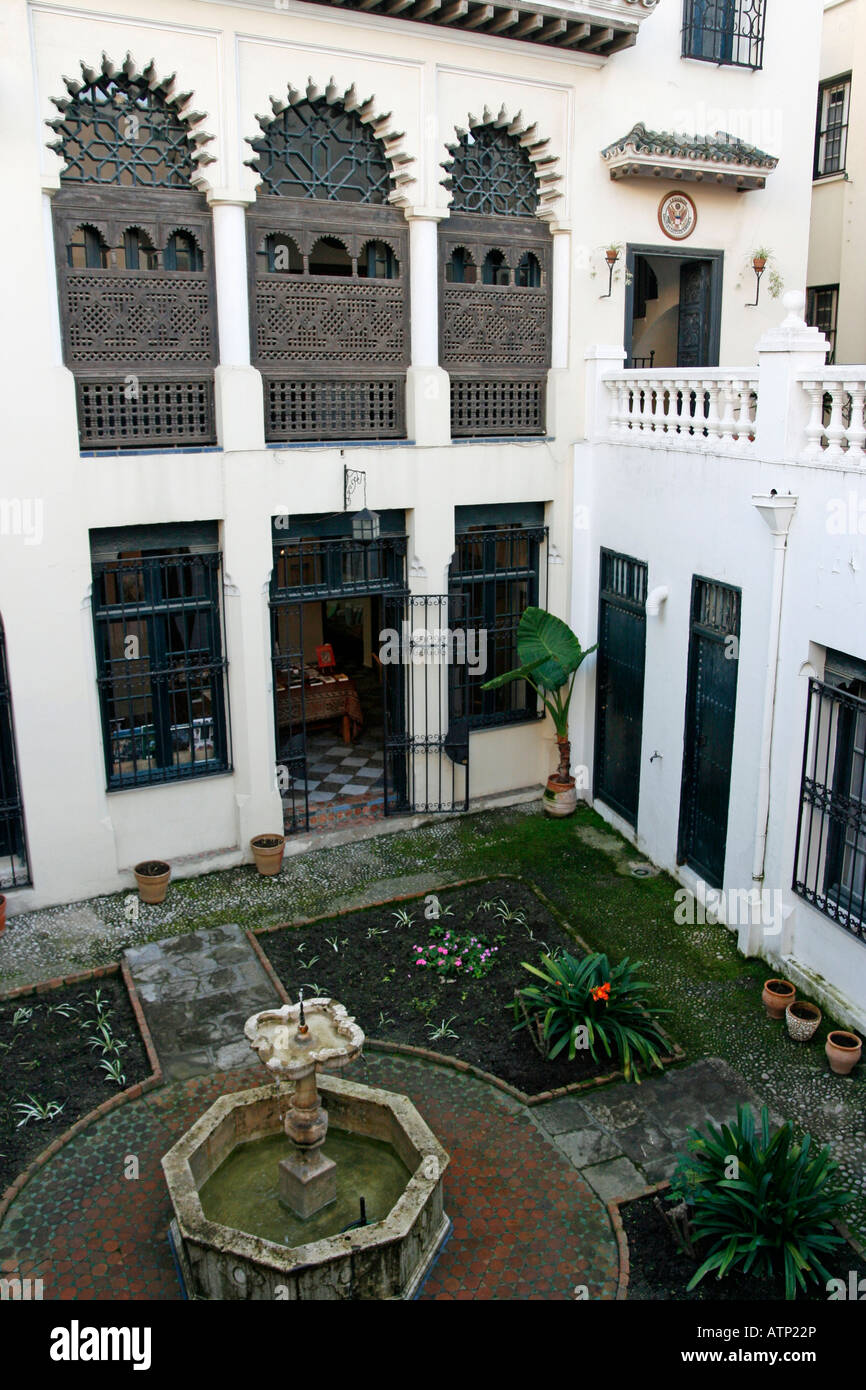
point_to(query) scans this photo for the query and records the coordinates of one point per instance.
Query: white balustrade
(836, 431)
(705, 410)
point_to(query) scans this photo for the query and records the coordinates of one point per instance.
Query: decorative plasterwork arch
(545, 164)
(399, 160)
(197, 136)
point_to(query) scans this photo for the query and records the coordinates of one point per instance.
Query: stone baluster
(836, 435)
(815, 428)
(713, 420)
(857, 428)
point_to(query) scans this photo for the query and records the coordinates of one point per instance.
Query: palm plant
(766, 1203)
(550, 657)
(591, 1003)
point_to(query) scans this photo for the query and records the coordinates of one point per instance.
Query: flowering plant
(454, 953)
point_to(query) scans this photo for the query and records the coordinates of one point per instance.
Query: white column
(597, 407)
(240, 414)
(428, 400)
(51, 262)
(561, 303)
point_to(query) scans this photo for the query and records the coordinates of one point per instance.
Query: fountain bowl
(387, 1259)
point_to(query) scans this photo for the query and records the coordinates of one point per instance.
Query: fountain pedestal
(293, 1042)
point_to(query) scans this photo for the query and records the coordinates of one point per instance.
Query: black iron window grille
(725, 31)
(135, 263)
(490, 172)
(14, 866)
(310, 568)
(831, 131)
(160, 666)
(830, 858)
(822, 311)
(493, 578)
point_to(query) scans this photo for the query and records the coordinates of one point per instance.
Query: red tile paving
(525, 1225)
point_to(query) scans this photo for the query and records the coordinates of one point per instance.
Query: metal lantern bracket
(611, 266)
(758, 277)
(353, 478)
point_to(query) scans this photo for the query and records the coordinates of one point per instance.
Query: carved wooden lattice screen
(330, 338)
(495, 323)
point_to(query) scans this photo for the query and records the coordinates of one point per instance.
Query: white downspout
(778, 513)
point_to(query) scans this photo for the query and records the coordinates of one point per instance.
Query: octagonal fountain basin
(235, 1239)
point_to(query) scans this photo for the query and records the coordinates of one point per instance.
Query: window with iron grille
(14, 867)
(725, 31)
(822, 311)
(134, 262)
(830, 859)
(329, 264)
(157, 618)
(495, 291)
(831, 131)
(495, 573)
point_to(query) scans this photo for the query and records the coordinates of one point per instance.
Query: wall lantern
(365, 525)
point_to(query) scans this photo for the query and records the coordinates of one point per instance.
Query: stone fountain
(293, 1042)
(260, 1209)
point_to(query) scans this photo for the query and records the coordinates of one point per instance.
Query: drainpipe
(778, 513)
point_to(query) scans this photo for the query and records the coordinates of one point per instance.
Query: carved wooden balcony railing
(141, 342)
(332, 348)
(495, 338)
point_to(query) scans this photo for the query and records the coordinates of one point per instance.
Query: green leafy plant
(21, 1016)
(507, 914)
(587, 1002)
(550, 657)
(31, 1109)
(442, 1030)
(114, 1068)
(766, 1203)
(403, 917)
(454, 953)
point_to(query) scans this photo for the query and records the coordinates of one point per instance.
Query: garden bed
(370, 962)
(659, 1271)
(46, 1059)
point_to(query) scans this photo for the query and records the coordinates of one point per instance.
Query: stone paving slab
(626, 1137)
(197, 991)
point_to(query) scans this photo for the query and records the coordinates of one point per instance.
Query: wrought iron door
(709, 732)
(423, 658)
(693, 342)
(620, 688)
(287, 659)
(14, 869)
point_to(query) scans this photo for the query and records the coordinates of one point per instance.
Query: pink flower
(458, 962)
(422, 962)
(442, 951)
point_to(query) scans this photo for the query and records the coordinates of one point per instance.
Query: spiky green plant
(587, 1001)
(766, 1203)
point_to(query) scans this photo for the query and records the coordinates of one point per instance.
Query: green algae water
(244, 1193)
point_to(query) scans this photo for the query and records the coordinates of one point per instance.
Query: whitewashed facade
(427, 81)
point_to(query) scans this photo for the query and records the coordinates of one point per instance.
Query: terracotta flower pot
(560, 797)
(759, 263)
(777, 995)
(843, 1050)
(2, 914)
(612, 257)
(803, 1020)
(268, 853)
(152, 877)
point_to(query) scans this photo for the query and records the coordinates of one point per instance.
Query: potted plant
(803, 1020)
(268, 853)
(777, 995)
(760, 256)
(550, 657)
(152, 877)
(843, 1050)
(612, 254)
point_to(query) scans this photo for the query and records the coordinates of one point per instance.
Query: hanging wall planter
(268, 853)
(777, 995)
(152, 876)
(803, 1020)
(843, 1050)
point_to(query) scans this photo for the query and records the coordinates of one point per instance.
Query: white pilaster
(239, 404)
(428, 395)
(784, 354)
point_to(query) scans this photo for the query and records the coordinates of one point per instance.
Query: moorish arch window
(495, 257)
(134, 261)
(330, 257)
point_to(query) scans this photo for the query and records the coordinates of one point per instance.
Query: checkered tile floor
(339, 773)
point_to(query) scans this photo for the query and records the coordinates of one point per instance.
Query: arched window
(495, 326)
(330, 257)
(130, 156)
(86, 249)
(136, 251)
(378, 262)
(460, 269)
(182, 252)
(494, 270)
(528, 272)
(332, 334)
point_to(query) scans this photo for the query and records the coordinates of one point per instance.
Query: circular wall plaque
(678, 216)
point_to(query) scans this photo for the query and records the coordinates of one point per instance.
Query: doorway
(620, 682)
(673, 306)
